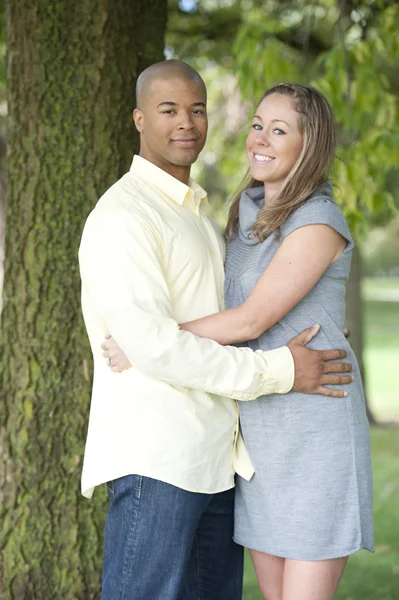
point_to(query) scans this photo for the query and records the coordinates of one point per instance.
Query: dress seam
(356, 548)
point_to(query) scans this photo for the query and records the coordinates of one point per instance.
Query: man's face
(173, 124)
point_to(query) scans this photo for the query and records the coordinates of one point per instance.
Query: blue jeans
(164, 543)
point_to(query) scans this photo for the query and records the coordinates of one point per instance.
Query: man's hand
(117, 359)
(312, 371)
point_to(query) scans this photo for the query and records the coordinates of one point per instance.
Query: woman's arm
(295, 269)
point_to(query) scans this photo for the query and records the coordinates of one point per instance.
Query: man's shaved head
(166, 69)
(170, 116)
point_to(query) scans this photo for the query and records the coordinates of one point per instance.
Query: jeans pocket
(110, 490)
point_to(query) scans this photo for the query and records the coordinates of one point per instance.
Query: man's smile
(185, 142)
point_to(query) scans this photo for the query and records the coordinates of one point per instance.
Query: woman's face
(274, 142)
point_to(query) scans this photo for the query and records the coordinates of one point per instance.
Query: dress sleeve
(322, 211)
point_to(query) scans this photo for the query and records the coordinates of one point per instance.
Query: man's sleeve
(121, 261)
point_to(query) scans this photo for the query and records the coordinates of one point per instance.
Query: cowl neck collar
(251, 202)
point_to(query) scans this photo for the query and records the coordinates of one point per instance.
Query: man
(164, 435)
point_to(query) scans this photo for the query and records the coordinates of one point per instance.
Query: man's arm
(122, 265)
(313, 368)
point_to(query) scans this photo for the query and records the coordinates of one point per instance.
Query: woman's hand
(117, 359)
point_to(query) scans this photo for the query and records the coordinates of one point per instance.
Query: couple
(165, 434)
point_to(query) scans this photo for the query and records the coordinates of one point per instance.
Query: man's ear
(138, 118)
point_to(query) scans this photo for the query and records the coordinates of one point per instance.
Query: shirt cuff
(280, 372)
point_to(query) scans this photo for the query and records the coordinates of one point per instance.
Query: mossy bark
(71, 71)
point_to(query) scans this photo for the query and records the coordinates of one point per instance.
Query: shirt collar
(169, 185)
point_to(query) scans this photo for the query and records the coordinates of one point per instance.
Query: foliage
(348, 49)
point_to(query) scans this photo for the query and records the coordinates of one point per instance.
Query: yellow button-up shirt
(151, 259)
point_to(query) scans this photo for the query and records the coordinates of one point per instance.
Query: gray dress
(311, 495)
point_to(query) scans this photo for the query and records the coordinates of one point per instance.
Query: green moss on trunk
(71, 71)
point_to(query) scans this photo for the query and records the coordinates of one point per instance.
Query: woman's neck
(270, 191)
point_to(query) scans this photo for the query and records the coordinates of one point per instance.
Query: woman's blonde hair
(310, 170)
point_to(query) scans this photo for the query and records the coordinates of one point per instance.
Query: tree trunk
(355, 318)
(71, 71)
(2, 220)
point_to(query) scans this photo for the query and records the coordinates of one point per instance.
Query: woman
(309, 504)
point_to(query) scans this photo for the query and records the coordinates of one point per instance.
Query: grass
(374, 576)
(381, 355)
(371, 285)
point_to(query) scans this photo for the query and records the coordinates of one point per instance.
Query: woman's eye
(279, 131)
(256, 126)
